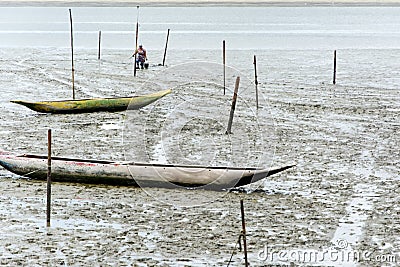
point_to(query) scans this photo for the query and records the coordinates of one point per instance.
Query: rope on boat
(240, 248)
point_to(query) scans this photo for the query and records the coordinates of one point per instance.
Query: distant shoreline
(109, 3)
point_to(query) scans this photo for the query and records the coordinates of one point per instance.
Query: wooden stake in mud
(255, 79)
(48, 177)
(137, 38)
(334, 67)
(244, 234)
(72, 56)
(165, 51)
(228, 130)
(98, 54)
(223, 61)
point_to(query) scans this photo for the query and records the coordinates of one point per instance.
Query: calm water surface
(204, 27)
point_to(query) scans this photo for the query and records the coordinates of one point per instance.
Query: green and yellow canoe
(94, 104)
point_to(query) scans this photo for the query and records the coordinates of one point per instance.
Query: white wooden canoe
(133, 173)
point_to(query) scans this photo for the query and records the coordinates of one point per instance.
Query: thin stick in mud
(334, 67)
(244, 233)
(228, 130)
(165, 50)
(48, 178)
(98, 54)
(255, 79)
(223, 62)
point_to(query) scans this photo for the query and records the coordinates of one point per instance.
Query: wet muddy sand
(343, 194)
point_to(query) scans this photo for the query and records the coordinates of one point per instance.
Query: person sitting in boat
(142, 56)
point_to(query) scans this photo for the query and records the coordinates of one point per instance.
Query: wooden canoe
(133, 173)
(94, 104)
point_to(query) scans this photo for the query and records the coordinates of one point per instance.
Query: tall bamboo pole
(223, 62)
(137, 38)
(72, 56)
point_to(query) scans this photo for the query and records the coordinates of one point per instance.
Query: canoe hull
(136, 174)
(93, 105)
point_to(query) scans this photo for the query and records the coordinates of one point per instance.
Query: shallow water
(342, 196)
(244, 27)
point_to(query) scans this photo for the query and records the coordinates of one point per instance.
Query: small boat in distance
(94, 104)
(133, 173)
